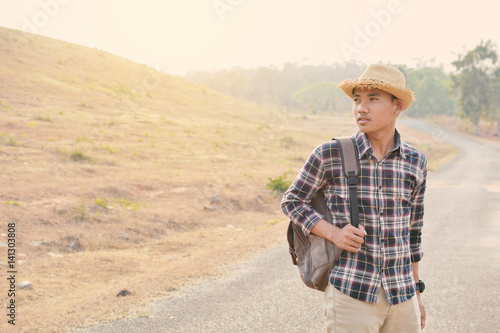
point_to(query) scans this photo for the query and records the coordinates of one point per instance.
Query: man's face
(375, 111)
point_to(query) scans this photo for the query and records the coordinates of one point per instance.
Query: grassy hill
(118, 176)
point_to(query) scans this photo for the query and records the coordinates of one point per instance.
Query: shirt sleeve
(417, 213)
(296, 200)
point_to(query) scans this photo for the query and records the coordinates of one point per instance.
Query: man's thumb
(362, 227)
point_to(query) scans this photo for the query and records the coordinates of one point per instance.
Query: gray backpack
(316, 256)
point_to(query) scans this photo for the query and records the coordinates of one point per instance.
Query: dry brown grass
(120, 177)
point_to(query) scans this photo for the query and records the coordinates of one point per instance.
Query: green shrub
(101, 202)
(78, 155)
(129, 204)
(279, 184)
(12, 202)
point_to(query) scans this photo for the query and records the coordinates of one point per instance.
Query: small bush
(44, 118)
(124, 90)
(83, 139)
(101, 203)
(128, 204)
(12, 203)
(111, 149)
(11, 141)
(279, 184)
(81, 210)
(78, 155)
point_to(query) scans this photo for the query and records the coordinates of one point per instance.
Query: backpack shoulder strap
(349, 154)
(351, 169)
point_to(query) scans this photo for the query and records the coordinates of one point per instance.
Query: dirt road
(461, 266)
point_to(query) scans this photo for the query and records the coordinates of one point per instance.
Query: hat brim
(404, 94)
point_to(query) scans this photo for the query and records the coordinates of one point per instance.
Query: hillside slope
(118, 176)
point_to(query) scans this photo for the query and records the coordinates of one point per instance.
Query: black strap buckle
(352, 180)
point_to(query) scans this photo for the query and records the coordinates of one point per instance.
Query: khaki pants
(346, 314)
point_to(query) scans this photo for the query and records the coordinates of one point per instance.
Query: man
(375, 285)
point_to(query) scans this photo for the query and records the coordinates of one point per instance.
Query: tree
(318, 96)
(495, 103)
(474, 81)
(431, 86)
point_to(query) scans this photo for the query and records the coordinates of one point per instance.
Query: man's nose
(362, 107)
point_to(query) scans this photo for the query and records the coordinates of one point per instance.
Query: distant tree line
(314, 89)
(292, 87)
(470, 91)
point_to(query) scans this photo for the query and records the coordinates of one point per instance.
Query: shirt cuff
(311, 221)
(416, 254)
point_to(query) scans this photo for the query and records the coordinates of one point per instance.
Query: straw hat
(381, 77)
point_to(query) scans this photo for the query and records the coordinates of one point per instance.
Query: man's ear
(400, 106)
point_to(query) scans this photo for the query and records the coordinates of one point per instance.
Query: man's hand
(416, 276)
(422, 310)
(350, 238)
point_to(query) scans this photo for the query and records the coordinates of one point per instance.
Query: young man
(375, 286)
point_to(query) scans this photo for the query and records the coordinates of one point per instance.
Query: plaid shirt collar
(365, 147)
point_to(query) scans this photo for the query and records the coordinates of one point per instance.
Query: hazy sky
(178, 35)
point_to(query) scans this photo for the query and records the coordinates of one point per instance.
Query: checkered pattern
(390, 198)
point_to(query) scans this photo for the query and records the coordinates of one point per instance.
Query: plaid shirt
(390, 197)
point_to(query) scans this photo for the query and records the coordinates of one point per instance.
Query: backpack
(316, 256)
